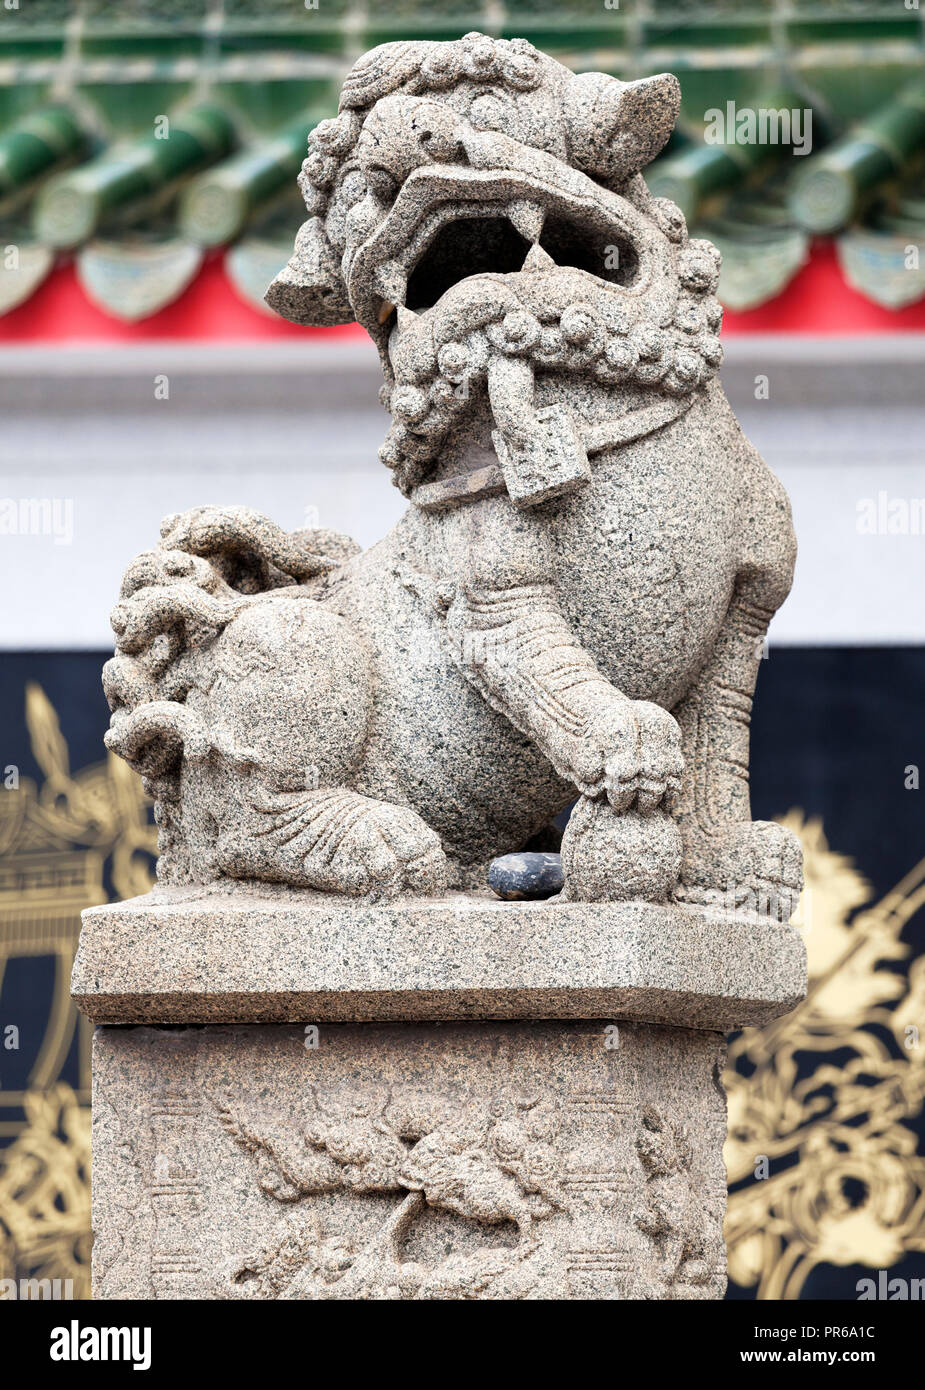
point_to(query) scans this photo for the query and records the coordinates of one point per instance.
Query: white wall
(293, 429)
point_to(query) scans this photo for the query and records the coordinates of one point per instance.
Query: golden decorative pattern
(824, 1094)
(45, 1193)
(61, 843)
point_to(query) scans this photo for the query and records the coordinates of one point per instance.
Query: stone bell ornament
(503, 1099)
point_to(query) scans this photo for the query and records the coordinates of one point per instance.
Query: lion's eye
(492, 111)
(380, 183)
(352, 189)
(439, 145)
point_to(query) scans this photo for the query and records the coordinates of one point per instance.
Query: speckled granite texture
(482, 1160)
(251, 958)
(574, 603)
(572, 609)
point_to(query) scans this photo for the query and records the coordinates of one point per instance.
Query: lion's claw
(752, 866)
(338, 841)
(631, 752)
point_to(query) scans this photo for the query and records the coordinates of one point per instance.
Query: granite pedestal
(436, 1098)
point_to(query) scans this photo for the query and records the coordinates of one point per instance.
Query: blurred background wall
(140, 374)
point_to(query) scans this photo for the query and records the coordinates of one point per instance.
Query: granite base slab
(273, 957)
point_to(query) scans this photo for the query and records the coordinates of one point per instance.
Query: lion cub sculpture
(575, 601)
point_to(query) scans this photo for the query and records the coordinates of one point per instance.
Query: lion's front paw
(631, 751)
(754, 866)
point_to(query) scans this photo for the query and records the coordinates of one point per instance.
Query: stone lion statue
(575, 601)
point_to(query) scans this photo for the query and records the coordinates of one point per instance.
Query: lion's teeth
(391, 282)
(527, 218)
(537, 259)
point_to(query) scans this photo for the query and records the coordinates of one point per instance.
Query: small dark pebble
(526, 875)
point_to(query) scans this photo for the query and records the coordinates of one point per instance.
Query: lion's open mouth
(493, 245)
(478, 281)
(449, 223)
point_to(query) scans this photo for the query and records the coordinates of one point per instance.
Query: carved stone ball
(609, 855)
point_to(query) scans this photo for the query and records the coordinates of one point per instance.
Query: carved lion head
(476, 200)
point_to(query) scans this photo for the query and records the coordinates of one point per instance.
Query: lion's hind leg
(248, 715)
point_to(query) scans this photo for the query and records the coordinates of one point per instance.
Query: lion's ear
(309, 289)
(616, 128)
